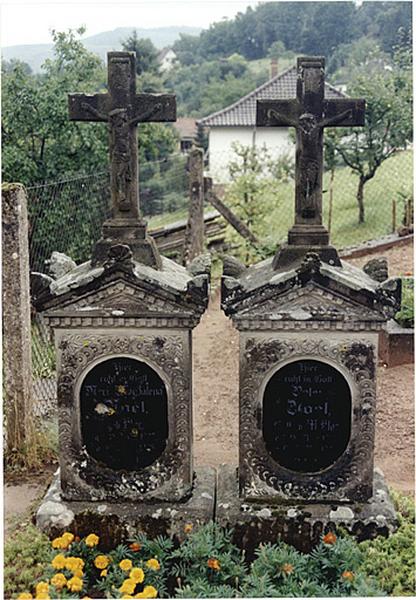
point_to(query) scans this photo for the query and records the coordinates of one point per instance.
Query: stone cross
(309, 113)
(123, 109)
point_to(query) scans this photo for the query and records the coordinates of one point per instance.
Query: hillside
(101, 43)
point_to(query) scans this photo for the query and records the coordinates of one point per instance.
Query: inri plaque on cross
(123, 109)
(309, 113)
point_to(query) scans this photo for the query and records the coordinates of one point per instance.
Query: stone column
(16, 318)
(194, 235)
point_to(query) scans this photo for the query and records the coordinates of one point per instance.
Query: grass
(168, 218)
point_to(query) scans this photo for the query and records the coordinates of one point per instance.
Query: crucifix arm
(146, 114)
(283, 119)
(347, 114)
(94, 111)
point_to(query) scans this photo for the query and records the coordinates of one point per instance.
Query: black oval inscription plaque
(306, 415)
(124, 415)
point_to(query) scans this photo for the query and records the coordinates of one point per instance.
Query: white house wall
(276, 140)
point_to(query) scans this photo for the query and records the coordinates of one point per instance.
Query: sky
(30, 22)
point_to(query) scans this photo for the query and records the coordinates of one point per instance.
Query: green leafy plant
(406, 316)
(391, 561)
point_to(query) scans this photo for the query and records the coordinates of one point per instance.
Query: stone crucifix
(309, 113)
(122, 108)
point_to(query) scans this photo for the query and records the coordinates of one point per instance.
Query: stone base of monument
(291, 255)
(117, 523)
(301, 525)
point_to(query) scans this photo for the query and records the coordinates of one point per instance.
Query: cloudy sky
(29, 22)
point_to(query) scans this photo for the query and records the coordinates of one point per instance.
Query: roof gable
(243, 112)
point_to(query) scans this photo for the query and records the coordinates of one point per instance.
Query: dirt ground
(216, 393)
(216, 405)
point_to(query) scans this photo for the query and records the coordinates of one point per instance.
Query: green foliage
(39, 141)
(388, 123)
(146, 53)
(26, 554)
(392, 560)
(406, 314)
(206, 562)
(208, 565)
(204, 88)
(255, 177)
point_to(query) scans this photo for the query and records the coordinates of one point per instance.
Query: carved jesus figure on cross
(123, 109)
(309, 113)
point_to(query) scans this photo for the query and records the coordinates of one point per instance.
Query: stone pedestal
(308, 364)
(299, 524)
(116, 523)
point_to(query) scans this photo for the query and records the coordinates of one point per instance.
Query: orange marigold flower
(213, 563)
(92, 540)
(135, 547)
(153, 564)
(59, 581)
(288, 568)
(188, 528)
(329, 538)
(348, 576)
(101, 561)
(125, 565)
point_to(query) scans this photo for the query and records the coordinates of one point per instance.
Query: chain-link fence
(67, 216)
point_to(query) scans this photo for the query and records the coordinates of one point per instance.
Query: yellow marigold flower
(125, 565)
(43, 596)
(153, 564)
(127, 596)
(137, 574)
(188, 528)
(56, 543)
(73, 563)
(68, 536)
(329, 538)
(214, 563)
(101, 561)
(74, 584)
(25, 596)
(148, 592)
(59, 581)
(127, 586)
(103, 573)
(92, 540)
(58, 562)
(348, 576)
(78, 573)
(288, 568)
(42, 587)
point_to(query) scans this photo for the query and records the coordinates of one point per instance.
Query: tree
(388, 122)
(39, 141)
(146, 53)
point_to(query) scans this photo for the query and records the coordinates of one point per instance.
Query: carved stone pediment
(118, 299)
(309, 303)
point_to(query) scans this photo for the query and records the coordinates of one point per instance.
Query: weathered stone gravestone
(309, 326)
(123, 332)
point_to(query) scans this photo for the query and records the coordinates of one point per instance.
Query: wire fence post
(194, 234)
(393, 215)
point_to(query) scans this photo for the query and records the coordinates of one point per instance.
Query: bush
(406, 317)
(392, 560)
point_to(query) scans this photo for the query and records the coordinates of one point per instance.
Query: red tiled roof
(243, 112)
(186, 127)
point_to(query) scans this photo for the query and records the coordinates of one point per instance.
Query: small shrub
(406, 316)
(392, 560)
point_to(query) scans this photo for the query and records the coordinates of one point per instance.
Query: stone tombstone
(309, 325)
(122, 325)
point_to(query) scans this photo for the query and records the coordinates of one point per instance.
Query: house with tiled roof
(237, 123)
